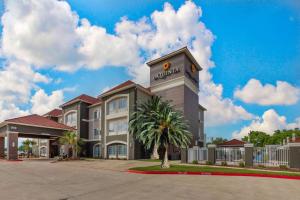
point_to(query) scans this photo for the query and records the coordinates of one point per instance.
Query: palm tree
(159, 125)
(70, 139)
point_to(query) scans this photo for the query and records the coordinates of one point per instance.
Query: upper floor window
(96, 133)
(117, 105)
(71, 119)
(96, 114)
(118, 126)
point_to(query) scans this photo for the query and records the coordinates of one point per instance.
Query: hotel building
(102, 122)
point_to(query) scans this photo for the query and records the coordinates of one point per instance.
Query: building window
(97, 151)
(117, 151)
(112, 153)
(122, 150)
(96, 133)
(71, 119)
(96, 115)
(118, 126)
(117, 105)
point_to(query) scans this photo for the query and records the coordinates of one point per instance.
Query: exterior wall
(201, 125)
(175, 95)
(134, 149)
(83, 120)
(69, 108)
(181, 89)
(177, 61)
(82, 115)
(2, 147)
(12, 153)
(94, 123)
(191, 113)
(37, 132)
(124, 138)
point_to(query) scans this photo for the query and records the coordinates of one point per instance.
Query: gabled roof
(38, 121)
(84, 98)
(125, 85)
(53, 113)
(184, 50)
(233, 143)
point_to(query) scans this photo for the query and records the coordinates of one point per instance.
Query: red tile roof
(85, 98)
(297, 140)
(125, 84)
(39, 121)
(233, 143)
(54, 113)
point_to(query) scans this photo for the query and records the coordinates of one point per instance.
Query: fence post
(211, 153)
(294, 158)
(248, 155)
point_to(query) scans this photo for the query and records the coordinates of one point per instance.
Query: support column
(12, 146)
(211, 153)
(184, 155)
(48, 149)
(248, 155)
(294, 158)
(2, 139)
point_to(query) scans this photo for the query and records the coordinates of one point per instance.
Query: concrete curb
(214, 174)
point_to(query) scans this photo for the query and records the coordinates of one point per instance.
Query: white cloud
(17, 81)
(10, 110)
(269, 122)
(49, 34)
(43, 103)
(282, 93)
(105, 89)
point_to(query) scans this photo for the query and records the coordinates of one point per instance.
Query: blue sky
(253, 40)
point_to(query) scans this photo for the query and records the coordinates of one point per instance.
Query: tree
(27, 146)
(153, 104)
(218, 140)
(161, 125)
(71, 140)
(258, 138)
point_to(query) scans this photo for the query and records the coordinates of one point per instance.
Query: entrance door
(97, 151)
(117, 151)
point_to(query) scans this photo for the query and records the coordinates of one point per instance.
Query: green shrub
(224, 163)
(241, 164)
(283, 167)
(209, 163)
(195, 162)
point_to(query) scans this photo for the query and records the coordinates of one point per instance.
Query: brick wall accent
(13, 146)
(2, 147)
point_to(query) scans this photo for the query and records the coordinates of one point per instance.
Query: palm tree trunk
(165, 161)
(155, 155)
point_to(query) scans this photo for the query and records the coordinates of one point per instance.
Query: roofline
(72, 102)
(95, 104)
(181, 50)
(117, 90)
(125, 88)
(17, 123)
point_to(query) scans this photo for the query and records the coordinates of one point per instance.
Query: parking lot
(108, 179)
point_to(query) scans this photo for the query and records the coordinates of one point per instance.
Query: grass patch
(184, 168)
